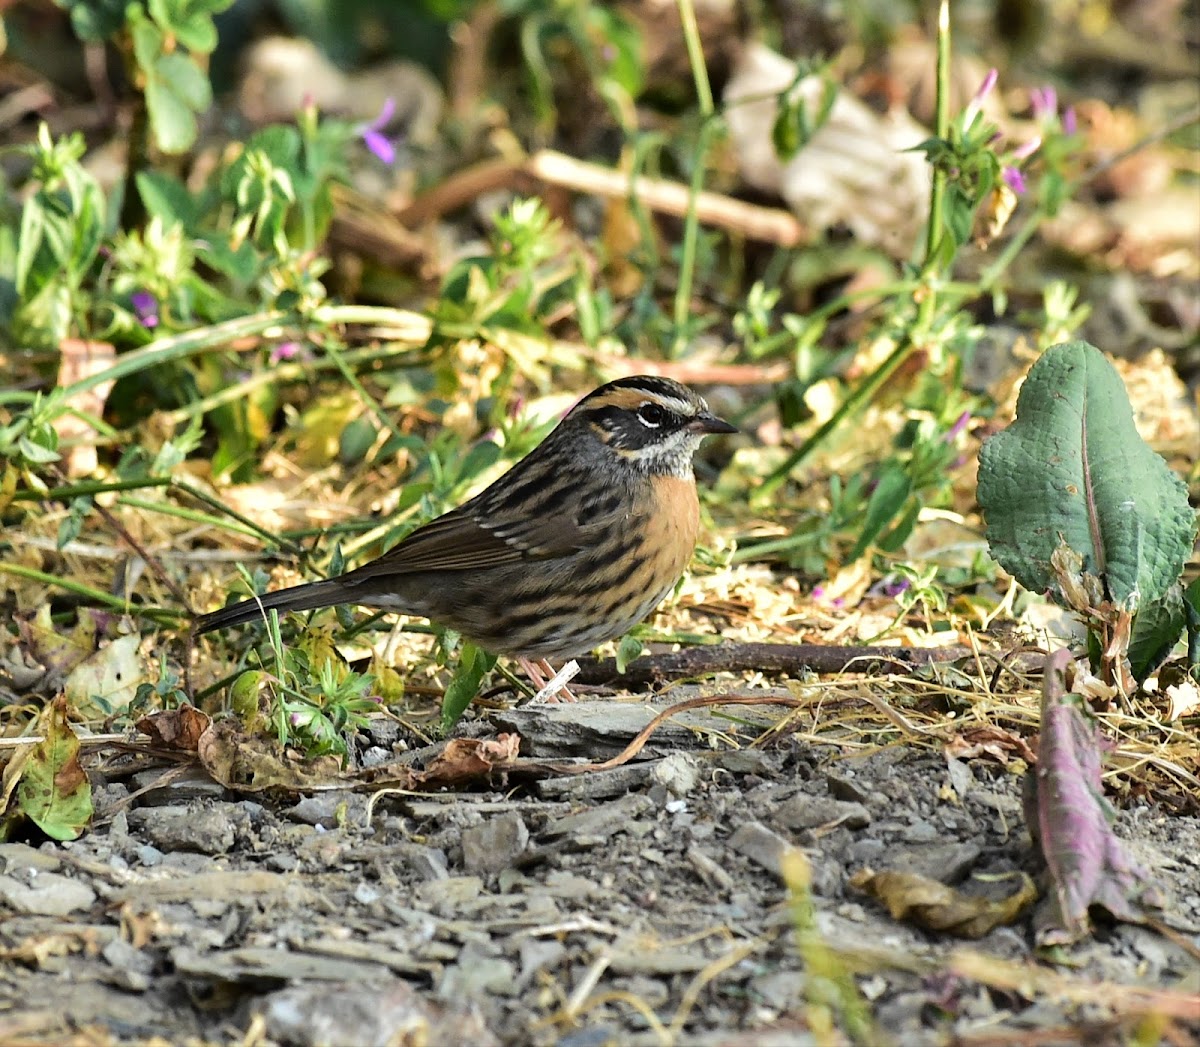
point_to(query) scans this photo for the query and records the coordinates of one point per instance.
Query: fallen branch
(771, 658)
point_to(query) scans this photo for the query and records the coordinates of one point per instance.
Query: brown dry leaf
(990, 740)
(465, 759)
(937, 907)
(251, 763)
(140, 928)
(13, 769)
(82, 359)
(178, 729)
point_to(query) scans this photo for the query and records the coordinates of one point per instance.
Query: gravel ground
(640, 905)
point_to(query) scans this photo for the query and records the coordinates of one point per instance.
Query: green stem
(368, 400)
(63, 494)
(194, 516)
(116, 603)
(936, 227)
(691, 226)
(181, 346)
(853, 403)
(409, 326)
(695, 50)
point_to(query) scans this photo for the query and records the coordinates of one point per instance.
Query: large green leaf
(1072, 468)
(54, 791)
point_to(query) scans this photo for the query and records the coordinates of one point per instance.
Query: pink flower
(976, 102)
(1027, 149)
(958, 427)
(1044, 102)
(1068, 120)
(285, 351)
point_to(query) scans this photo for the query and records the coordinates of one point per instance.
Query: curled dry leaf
(179, 729)
(933, 905)
(991, 741)
(466, 758)
(463, 760)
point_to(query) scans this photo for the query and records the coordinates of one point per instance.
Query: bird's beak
(706, 422)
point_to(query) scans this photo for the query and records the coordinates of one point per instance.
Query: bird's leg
(542, 673)
(533, 671)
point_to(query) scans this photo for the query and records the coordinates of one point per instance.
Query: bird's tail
(298, 598)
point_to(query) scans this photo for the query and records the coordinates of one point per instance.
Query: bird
(577, 543)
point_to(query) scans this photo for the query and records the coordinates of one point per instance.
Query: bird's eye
(651, 415)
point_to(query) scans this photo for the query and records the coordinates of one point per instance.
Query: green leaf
(1156, 629)
(54, 791)
(474, 664)
(33, 224)
(888, 498)
(1073, 468)
(175, 91)
(627, 650)
(95, 21)
(189, 21)
(167, 198)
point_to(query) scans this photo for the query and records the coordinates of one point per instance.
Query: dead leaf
(991, 741)
(251, 763)
(35, 950)
(859, 169)
(465, 759)
(57, 651)
(109, 678)
(178, 729)
(933, 905)
(1070, 820)
(1183, 699)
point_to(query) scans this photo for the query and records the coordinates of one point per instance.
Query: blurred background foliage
(283, 280)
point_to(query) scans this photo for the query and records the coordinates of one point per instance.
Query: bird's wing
(459, 542)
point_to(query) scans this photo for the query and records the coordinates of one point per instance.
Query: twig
(771, 224)
(695, 372)
(639, 742)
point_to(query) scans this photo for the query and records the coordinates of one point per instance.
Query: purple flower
(1044, 102)
(1014, 179)
(818, 592)
(145, 307)
(373, 136)
(1068, 120)
(976, 102)
(891, 586)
